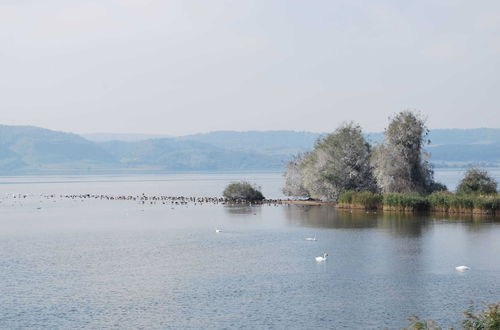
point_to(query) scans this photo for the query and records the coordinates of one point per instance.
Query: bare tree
(339, 162)
(294, 177)
(400, 164)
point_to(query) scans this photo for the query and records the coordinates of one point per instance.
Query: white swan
(462, 268)
(218, 230)
(321, 259)
(311, 238)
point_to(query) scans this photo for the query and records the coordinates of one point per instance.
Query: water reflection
(405, 225)
(327, 217)
(471, 222)
(398, 224)
(238, 209)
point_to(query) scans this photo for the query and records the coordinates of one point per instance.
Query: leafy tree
(242, 191)
(400, 163)
(437, 186)
(339, 162)
(477, 181)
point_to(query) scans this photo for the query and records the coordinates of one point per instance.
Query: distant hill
(9, 160)
(448, 147)
(172, 154)
(453, 136)
(264, 142)
(106, 137)
(464, 136)
(34, 150)
(465, 153)
(459, 147)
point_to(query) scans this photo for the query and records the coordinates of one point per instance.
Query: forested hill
(34, 150)
(453, 136)
(178, 155)
(459, 147)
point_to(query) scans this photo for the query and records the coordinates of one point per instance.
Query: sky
(180, 67)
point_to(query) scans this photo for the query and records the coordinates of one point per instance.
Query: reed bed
(405, 202)
(445, 202)
(360, 200)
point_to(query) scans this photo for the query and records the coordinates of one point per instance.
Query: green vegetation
(441, 201)
(488, 319)
(477, 181)
(242, 191)
(405, 202)
(365, 199)
(463, 203)
(437, 202)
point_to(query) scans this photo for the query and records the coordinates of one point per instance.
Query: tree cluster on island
(345, 162)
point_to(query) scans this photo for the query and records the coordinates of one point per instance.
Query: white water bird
(311, 238)
(321, 259)
(218, 230)
(462, 268)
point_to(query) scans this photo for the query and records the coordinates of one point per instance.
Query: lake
(70, 263)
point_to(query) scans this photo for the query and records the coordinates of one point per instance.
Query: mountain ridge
(31, 149)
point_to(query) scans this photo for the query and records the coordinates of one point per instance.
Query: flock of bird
(141, 199)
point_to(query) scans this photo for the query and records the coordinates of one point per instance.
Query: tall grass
(364, 199)
(440, 201)
(437, 202)
(405, 202)
(459, 203)
(346, 197)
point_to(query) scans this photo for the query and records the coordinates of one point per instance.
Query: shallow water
(79, 263)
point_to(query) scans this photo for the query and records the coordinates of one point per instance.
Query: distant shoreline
(158, 171)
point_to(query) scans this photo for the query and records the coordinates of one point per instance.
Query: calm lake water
(95, 264)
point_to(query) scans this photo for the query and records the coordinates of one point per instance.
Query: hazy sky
(178, 67)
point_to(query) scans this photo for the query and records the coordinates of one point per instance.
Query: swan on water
(311, 238)
(321, 259)
(218, 230)
(462, 268)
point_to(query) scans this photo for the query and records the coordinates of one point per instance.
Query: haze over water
(80, 263)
